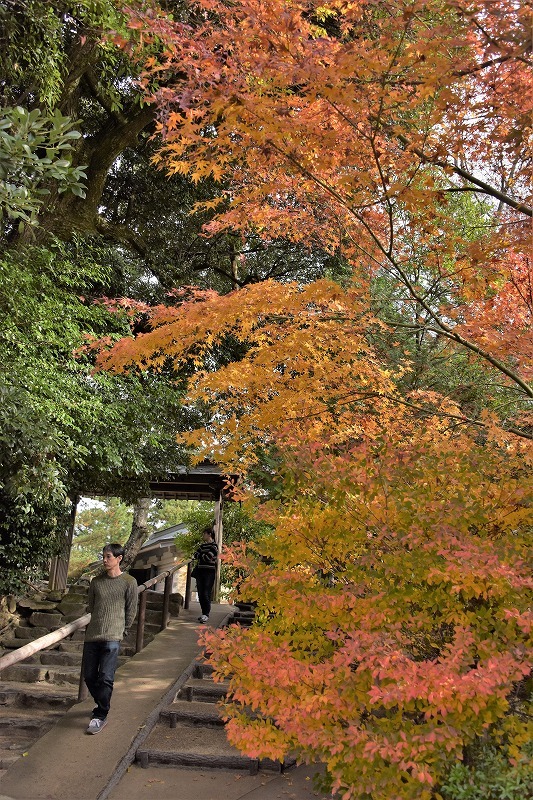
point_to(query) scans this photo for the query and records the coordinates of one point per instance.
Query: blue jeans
(99, 665)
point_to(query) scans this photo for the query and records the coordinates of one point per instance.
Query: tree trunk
(139, 531)
(58, 574)
(65, 215)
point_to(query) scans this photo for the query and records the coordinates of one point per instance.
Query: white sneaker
(203, 618)
(96, 725)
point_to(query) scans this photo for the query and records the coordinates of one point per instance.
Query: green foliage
(239, 525)
(37, 37)
(491, 777)
(32, 49)
(109, 520)
(433, 362)
(41, 387)
(160, 208)
(63, 430)
(35, 149)
(166, 513)
(32, 493)
(198, 518)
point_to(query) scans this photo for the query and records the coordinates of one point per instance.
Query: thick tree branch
(121, 233)
(105, 102)
(427, 159)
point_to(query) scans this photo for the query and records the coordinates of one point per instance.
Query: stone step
(76, 645)
(46, 619)
(191, 713)
(27, 711)
(245, 607)
(204, 748)
(20, 724)
(59, 659)
(77, 595)
(55, 658)
(73, 615)
(149, 630)
(13, 644)
(202, 690)
(186, 746)
(21, 727)
(7, 759)
(25, 673)
(23, 635)
(29, 634)
(152, 617)
(41, 673)
(70, 646)
(202, 671)
(40, 696)
(242, 618)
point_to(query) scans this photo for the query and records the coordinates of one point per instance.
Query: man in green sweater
(113, 605)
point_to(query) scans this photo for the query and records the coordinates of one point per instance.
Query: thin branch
(444, 329)
(486, 188)
(426, 159)
(121, 233)
(351, 396)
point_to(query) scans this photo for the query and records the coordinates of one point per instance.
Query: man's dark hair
(210, 531)
(114, 548)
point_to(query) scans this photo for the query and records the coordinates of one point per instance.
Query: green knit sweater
(113, 605)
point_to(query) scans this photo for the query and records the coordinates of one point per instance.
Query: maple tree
(393, 623)
(399, 544)
(350, 124)
(393, 611)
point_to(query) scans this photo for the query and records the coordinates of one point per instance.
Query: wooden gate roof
(203, 482)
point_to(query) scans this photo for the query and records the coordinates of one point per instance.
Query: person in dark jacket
(205, 571)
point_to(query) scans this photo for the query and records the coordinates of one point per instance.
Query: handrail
(27, 650)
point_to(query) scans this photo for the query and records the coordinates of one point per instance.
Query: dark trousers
(99, 665)
(204, 586)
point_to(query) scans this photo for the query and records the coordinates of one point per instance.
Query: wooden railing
(53, 637)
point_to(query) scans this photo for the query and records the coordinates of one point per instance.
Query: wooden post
(83, 692)
(188, 580)
(141, 616)
(166, 601)
(218, 539)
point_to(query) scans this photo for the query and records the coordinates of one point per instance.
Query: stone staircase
(34, 693)
(190, 731)
(244, 614)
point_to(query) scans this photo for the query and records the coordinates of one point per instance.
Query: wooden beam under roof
(205, 482)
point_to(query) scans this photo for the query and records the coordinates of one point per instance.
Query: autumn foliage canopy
(393, 630)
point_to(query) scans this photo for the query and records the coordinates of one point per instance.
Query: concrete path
(68, 764)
